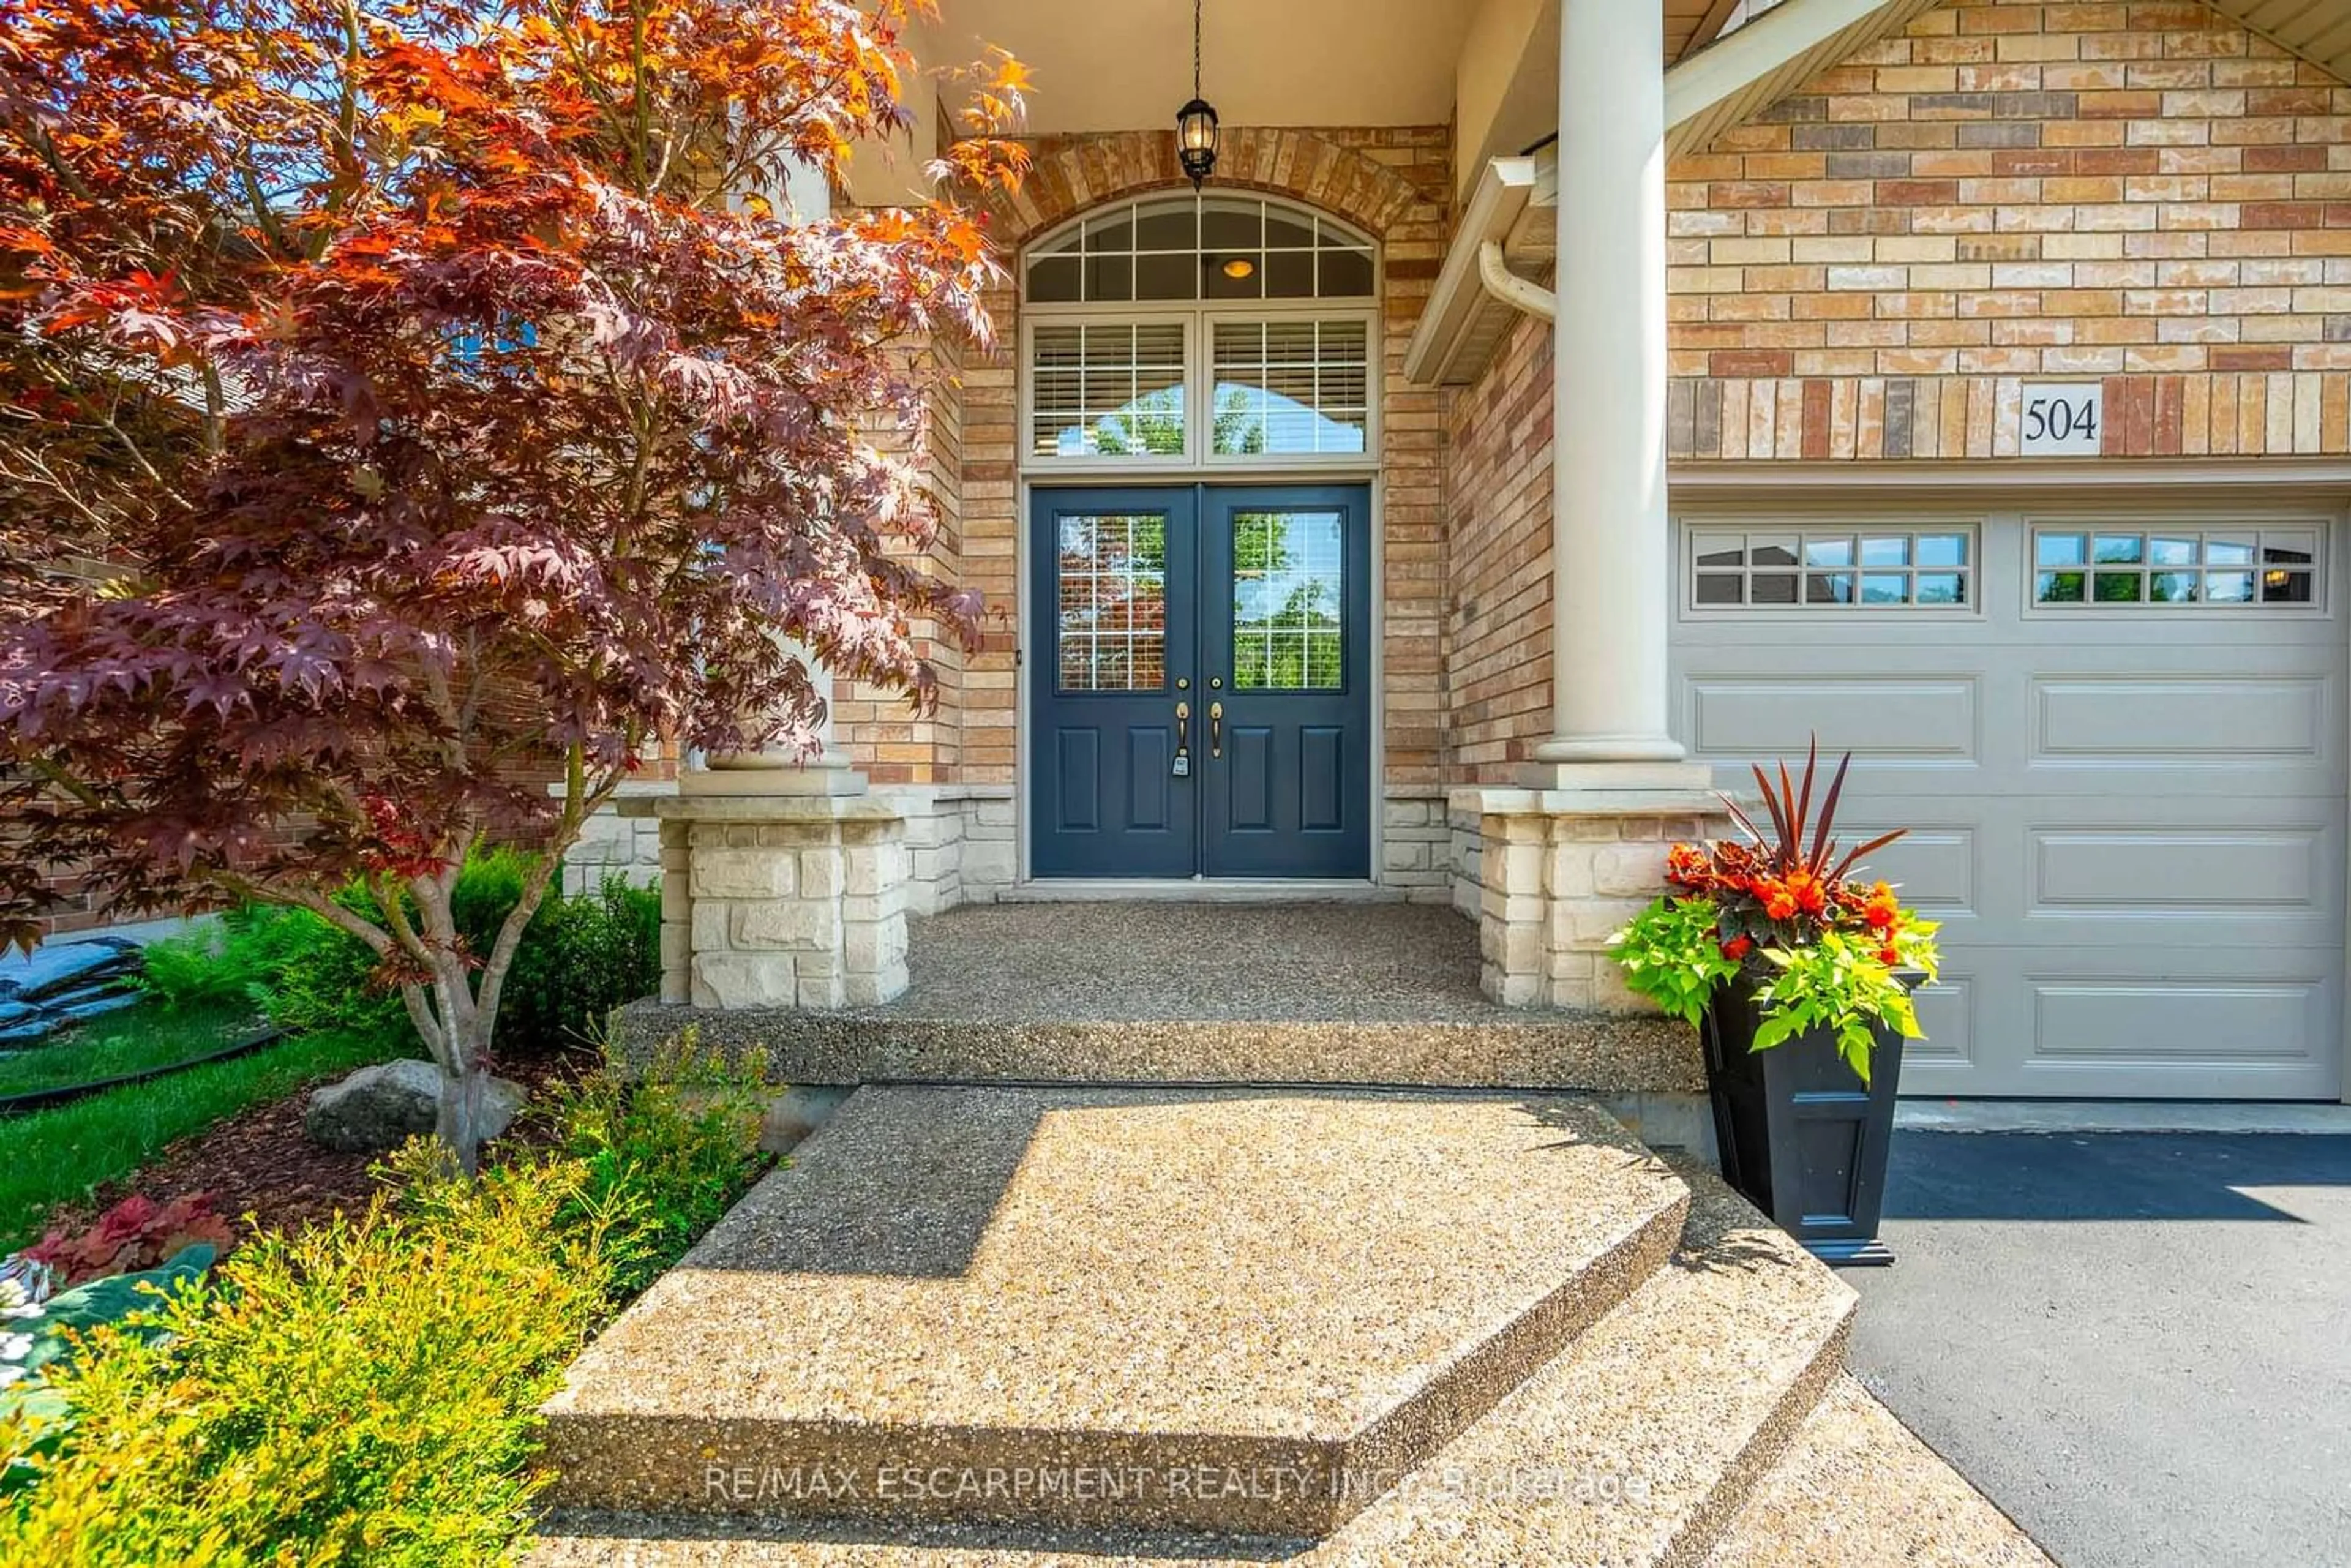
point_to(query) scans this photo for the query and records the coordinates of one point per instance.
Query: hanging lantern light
(1195, 122)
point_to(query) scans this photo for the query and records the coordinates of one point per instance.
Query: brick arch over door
(1392, 183)
(1069, 176)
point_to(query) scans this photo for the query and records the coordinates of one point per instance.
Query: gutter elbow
(1508, 286)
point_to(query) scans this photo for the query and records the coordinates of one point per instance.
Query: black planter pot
(1801, 1137)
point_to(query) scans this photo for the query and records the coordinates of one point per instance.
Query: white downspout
(1518, 293)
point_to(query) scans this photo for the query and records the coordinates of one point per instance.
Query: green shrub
(362, 1393)
(189, 972)
(663, 1156)
(324, 978)
(289, 963)
(368, 1393)
(580, 957)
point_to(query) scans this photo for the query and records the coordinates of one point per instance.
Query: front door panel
(1285, 605)
(1116, 570)
(1201, 681)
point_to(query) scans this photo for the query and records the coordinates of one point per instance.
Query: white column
(1611, 558)
(779, 770)
(783, 770)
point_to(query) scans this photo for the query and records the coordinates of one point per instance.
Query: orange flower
(1686, 865)
(1738, 947)
(1883, 909)
(1888, 956)
(1779, 902)
(1810, 895)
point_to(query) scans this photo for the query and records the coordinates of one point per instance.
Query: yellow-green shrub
(362, 1393)
(367, 1393)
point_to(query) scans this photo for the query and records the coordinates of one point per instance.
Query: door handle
(1182, 768)
(1215, 729)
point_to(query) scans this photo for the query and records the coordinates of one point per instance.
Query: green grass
(132, 1041)
(66, 1154)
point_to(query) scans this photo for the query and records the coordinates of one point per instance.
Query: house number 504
(2063, 421)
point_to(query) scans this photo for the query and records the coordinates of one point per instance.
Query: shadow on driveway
(2139, 1344)
(2106, 1176)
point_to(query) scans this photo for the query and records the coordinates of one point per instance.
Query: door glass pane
(1288, 601)
(1113, 584)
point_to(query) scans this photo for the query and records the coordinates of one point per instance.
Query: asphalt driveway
(2139, 1344)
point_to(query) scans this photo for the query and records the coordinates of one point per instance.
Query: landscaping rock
(381, 1106)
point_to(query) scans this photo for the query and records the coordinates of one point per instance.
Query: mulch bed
(260, 1162)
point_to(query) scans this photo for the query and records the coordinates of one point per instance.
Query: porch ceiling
(1127, 65)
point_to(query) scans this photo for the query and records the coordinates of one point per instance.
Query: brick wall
(883, 734)
(1497, 586)
(2139, 193)
(1396, 183)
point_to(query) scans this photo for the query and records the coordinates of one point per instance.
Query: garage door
(2119, 745)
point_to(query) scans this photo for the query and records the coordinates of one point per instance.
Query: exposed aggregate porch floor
(1226, 993)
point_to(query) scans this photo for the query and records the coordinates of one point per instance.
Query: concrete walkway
(2138, 1345)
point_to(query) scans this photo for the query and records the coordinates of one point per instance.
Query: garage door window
(2219, 568)
(1866, 569)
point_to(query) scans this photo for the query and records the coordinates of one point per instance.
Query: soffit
(2318, 30)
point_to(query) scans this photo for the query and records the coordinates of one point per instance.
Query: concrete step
(1857, 1490)
(1251, 1314)
(1145, 993)
(1638, 1445)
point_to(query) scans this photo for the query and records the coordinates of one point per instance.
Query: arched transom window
(1216, 331)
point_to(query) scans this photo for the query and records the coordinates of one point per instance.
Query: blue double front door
(1200, 682)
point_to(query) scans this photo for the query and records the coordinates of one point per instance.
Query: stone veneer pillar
(1561, 871)
(782, 901)
(784, 882)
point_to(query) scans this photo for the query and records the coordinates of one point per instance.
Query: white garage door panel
(2130, 822)
(1935, 866)
(2032, 719)
(1886, 718)
(2227, 1022)
(2247, 721)
(2158, 873)
(1947, 1012)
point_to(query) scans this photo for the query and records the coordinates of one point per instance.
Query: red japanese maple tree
(403, 398)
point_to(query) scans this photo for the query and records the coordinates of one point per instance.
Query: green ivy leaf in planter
(1672, 954)
(1836, 986)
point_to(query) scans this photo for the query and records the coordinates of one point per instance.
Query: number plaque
(2063, 421)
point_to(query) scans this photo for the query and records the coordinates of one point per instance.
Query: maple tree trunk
(462, 1015)
(455, 1035)
(459, 1124)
